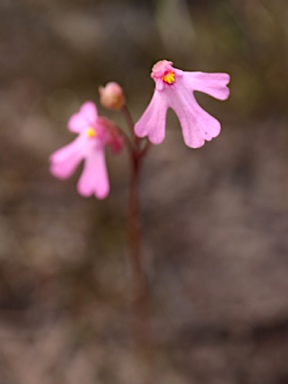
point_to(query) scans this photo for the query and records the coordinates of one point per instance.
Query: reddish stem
(141, 299)
(140, 284)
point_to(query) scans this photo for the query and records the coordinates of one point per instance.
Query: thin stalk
(129, 119)
(145, 149)
(130, 145)
(140, 284)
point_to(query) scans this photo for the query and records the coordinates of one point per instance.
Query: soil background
(215, 219)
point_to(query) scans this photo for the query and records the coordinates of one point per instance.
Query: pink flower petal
(85, 117)
(174, 89)
(197, 125)
(94, 178)
(214, 84)
(66, 159)
(152, 122)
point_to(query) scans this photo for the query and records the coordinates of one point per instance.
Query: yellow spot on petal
(90, 132)
(169, 78)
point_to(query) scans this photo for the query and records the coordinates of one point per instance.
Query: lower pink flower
(174, 89)
(94, 133)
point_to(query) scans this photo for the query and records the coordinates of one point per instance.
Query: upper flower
(94, 133)
(174, 89)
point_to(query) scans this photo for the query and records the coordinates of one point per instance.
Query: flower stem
(128, 118)
(140, 283)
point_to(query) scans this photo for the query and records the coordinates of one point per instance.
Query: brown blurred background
(215, 220)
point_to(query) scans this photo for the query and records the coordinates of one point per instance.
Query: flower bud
(112, 96)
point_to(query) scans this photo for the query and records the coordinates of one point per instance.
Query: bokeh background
(215, 220)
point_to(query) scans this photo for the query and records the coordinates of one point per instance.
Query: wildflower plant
(173, 89)
(94, 134)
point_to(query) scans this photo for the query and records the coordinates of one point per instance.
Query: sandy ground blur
(214, 220)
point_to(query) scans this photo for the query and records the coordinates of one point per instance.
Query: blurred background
(215, 219)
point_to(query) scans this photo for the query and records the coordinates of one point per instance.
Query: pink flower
(174, 89)
(94, 133)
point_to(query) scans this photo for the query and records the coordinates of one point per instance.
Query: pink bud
(112, 96)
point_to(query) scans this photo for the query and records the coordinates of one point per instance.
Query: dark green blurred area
(214, 220)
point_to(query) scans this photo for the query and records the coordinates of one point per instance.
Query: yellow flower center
(90, 132)
(169, 78)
